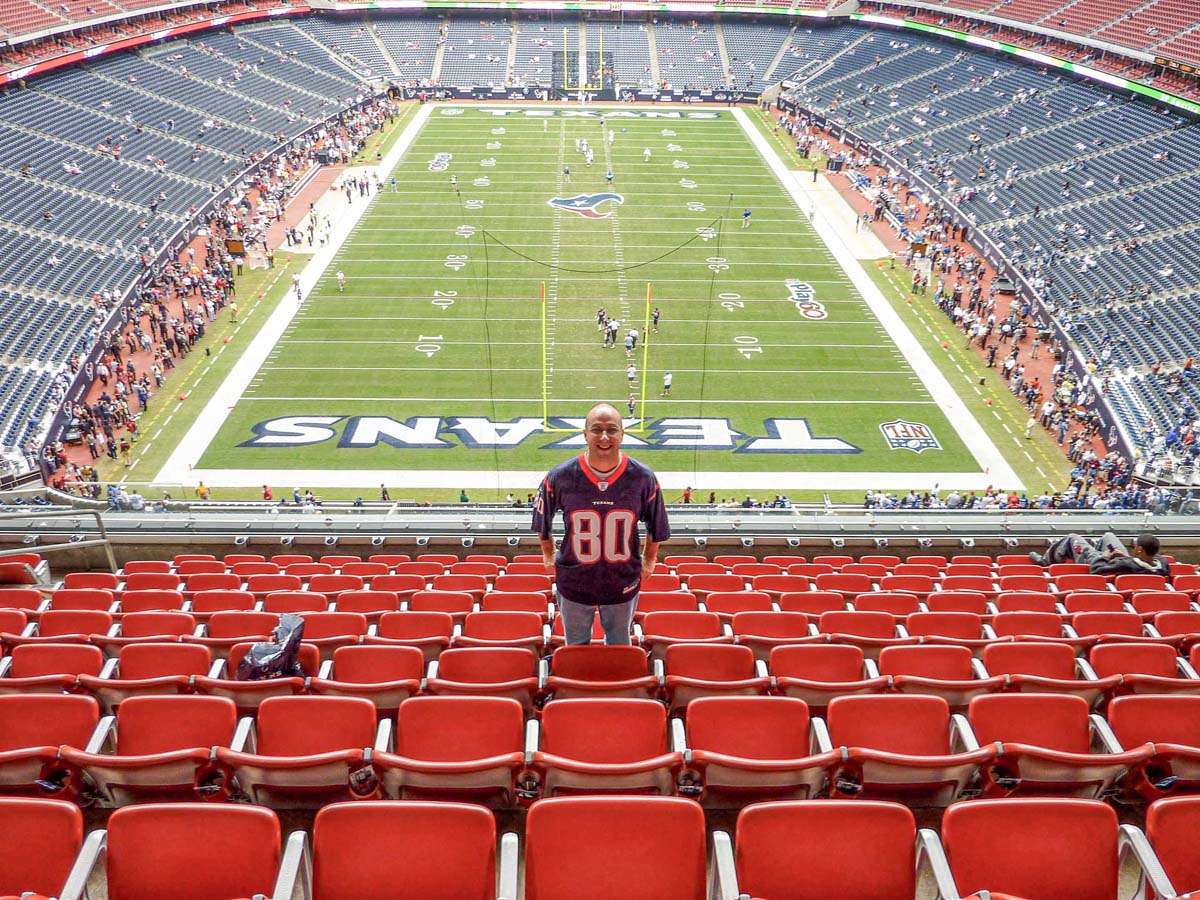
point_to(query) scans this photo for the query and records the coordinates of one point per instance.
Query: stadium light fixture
(793, 542)
(241, 540)
(423, 541)
(29, 539)
(967, 543)
(513, 541)
(881, 543)
(286, 540)
(468, 542)
(702, 542)
(1011, 543)
(924, 543)
(331, 540)
(838, 543)
(747, 542)
(378, 540)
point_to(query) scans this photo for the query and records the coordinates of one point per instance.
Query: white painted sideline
(997, 471)
(180, 465)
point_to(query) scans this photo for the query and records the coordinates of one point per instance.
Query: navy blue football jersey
(600, 560)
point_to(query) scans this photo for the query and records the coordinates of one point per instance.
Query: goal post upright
(641, 426)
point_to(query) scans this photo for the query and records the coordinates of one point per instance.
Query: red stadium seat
(662, 629)
(191, 567)
(980, 584)
(600, 671)
(98, 599)
(41, 840)
(142, 566)
(869, 631)
(139, 627)
(249, 695)
(775, 586)
(195, 584)
(371, 603)
(1093, 601)
(150, 599)
(661, 581)
(1046, 667)
(48, 668)
(919, 586)
(727, 604)
(816, 673)
(262, 585)
(67, 626)
(1171, 827)
(430, 632)
(473, 585)
(333, 586)
(812, 603)
(849, 586)
(1149, 603)
(457, 603)
(1145, 668)
(763, 631)
(533, 582)
(209, 601)
(153, 581)
(1172, 725)
(504, 629)
(327, 631)
(32, 728)
(294, 602)
(387, 676)
(514, 601)
(227, 628)
(486, 672)
(1026, 601)
(703, 585)
(941, 671)
(20, 598)
(102, 580)
(148, 668)
(895, 603)
(700, 670)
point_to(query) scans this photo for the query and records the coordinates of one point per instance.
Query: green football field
(440, 357)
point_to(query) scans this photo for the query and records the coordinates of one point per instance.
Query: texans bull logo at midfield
(587, 204)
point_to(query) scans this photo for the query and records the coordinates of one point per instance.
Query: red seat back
(831, 663)
(604, 731)
(486, 665)
(457, 729)
(1044, 660)
(586, 662)
(1172, 825)
(1054, 721)
(45, 720)
(302, 726)
(161, 724)
(912, 724)
(723, 662)
(1156, 718)
(41, 839)
(945, 663)
(749, 727)
(366, 664)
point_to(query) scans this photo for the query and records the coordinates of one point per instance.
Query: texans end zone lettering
(588, 114)
(481, 433)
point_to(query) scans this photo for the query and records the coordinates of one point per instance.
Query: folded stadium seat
(1128, 585)
(904, 746)
(919, 586)
(150, 599)
(160, 748)
(893, 602)
(660, 842)
(291, 559)
(365, 570)
(729, 560)
(603, 745)
(230, 627)
(600, 671)
(855, 850)
(1187, 584)
(704, 584)
(874, 572)
(403, 586)
(727, 604)
(529, 558)
(1012, 559)
(391, 560)
(980, 584)
(457, 603)
(103, 580)
(740, 750)
(486, 672)
(337, 560)
(1033, 584)
(1092, 601)
(152, 581)
(1168, 854)
(677, 559)
(387, 676)
(32, 728)
(12, 621)
(1044, 667)
(528, 582)
(686, 570)
(959, 601)
(1148, 604)
(450, 748)
(887, 560)
(429, 632)
(249, 695)
(202, 581)
(473, 585)
(928, 560)
(1145, 668)
(849, 586)
(1026, 601)
(1032, 849)
(504, 629)
(1083, 582)
(1021, 570)
(333, 586)
(1068, 568)
(660, 630)
(187, 851)
(248, 569)
(951, 673)
(261, 585)
(962, 629)
(661, 580)
(812, 603)
(191, 557)
(1183, 627)
(306, 570)
(192, 567)
(699, 670)
(82, 598)
(763, 631)
(426, 570)
(139, 627)
(518, 601)
(1172, 725)
(443, 559)
(968, 570)
(810, 570)
(327, 631)
(368, 602)
(141, 566)
(869, 631)
(775, 586)
(211, 600)
(19, 568)
(971, 559)
(750, 571)
(1035, 626)
(488, 570)
(449, 851)
(1181, 568)
(909, 568)
(67, 626)
(1126, 627)
(297, 602)
(41, 841)
(836, 560)
(1049, 745)
(21, 598)
(526, 568)
(147, 668)
(305, 751)
(816, 673)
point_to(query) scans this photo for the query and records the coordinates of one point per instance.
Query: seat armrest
(988, 631)
(383, 736)
(870, 669)
(432, 671)
(110, 668)
(5, 665)
(961, 733)
(217, 670)
(901, 631)
(326, 670)
(760, 669)
(979, 669)
(678, 735)
(1103, 735)
(509, 867)
(543, 672)
(1069, 632)
(91, 854)
(1085, 670)
(114, 630)
(819, 740)
(104, 735)
(1131, 841)
(723, 884)
(931, 858)
(533, 739)
(659, 669)
(244, 740)
(1185, 668)
(295, 864)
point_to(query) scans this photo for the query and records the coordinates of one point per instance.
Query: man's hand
(548, 562)
(649, 564)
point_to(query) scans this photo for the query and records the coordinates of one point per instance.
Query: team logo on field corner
(587, 204)
(441, 162)
(914, 436)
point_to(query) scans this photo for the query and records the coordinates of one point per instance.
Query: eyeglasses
(611, 431)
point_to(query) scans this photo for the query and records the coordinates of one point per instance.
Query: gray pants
(615, 618)
(1076, 548)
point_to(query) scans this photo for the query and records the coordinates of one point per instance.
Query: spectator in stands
(1108, 556)
(603, 494)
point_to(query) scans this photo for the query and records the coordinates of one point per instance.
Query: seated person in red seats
(1107, 556)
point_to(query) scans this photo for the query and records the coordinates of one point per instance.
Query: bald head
(603, 431)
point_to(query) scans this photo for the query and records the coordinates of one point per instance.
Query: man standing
(1108, 556)
(646, 155)
(600, 565)
(666, 391)
(631, 374)
(746, 217)
(341, 280)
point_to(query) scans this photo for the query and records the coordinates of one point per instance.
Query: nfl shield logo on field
(914, 436)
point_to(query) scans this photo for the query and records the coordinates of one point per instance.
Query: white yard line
(178, 469)
(991, 460)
